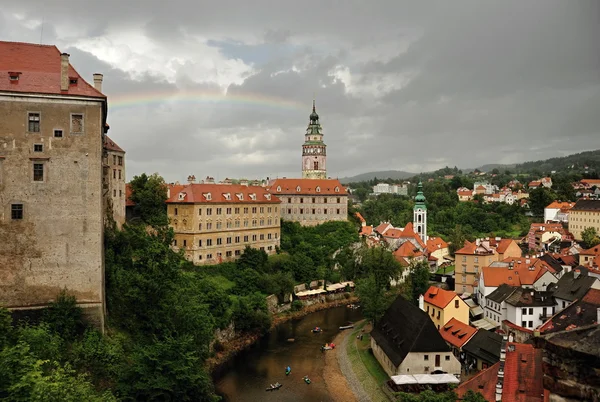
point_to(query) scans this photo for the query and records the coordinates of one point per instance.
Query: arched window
(316, 165)
(419, 218)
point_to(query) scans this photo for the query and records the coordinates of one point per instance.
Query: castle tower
(314, 155)
(420, 214)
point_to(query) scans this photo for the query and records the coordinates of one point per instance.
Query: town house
(443, 305)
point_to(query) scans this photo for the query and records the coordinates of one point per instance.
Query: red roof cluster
(307, 186)
(38, 68)
(221, 193)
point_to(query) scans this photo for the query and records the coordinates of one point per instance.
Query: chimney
(244, 182)
(422, 307)
(598, 315)
(576, 274)
(191, 179)
(98, 81)
(64, 71)
(210, 180)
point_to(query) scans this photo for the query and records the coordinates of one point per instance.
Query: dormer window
(182, 196)
(240, 196)
(73, 80)
(279, 189)
(227, 196)
(208, 196)
(14, 76)
(318, 189)
(298, 189)
(268, 196)
(337, 189)
(253, 197)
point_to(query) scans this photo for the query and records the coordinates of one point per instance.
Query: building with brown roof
(114, 161)
(213, 223)
(443, 305)
(51, 180)
(311, 201)
(584, 214)
(581, 313)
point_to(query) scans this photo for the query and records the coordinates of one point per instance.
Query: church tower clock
(314, 155)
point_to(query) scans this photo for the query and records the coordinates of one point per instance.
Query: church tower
(420, 214)
(314, 155)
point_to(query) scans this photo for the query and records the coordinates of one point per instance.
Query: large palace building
(213, 223)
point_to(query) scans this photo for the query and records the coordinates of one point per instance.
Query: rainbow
(137, 99)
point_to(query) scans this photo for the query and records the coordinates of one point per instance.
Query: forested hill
(571, 163)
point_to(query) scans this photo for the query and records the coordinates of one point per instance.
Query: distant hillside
(385, 174)
(576, 162)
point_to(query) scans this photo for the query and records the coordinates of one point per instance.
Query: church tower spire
(314, 150)
(420, 213)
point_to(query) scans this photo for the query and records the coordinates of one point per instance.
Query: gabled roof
(457, 333)
(285, 187)
(501, 293)
(221, 193)
(360, 217)
(393, 233)
(366, 230)
(594, 251)
(435, 243)
(570, 288)
(581, 313)
(439, 297)
(40, 71)
(560, 205)
(383, 227)
(405, 328)
(484, 345)
(407, 249)
(483, 382)
(408, 232)
(501, 245)
(520, 274)
(530, 298)
(110, 145)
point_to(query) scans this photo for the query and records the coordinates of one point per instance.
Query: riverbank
(241, 342)
(341, 387)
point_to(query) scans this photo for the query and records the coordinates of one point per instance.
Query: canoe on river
(274, 387)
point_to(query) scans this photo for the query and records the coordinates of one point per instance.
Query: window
(262, 237)
(218, 225)
(199, 243)
(456, 303)
(238, 252)
(530, 324)
(237, 239)
(209, 256)
(228, 254)
(199, 211)
(524, 324)
(253, 210)
(114, 173)
(530, 311)
(38, 148)
(253, 237)
(289, 200)
(262, 210)
(119, 174)
(245, 239)
(199, 256)
(185, 243)
(76, 123)
(114, 193)
(120, 161)
(209, 226)
(228, 211)
(176, 211)
(219, 210)
(34, 122)
(219, 241)
(237, 210)
(237, 224)
(38, 172)
(208, 211)
(120, 193)
(209, 242)
(229, 240)
(339, 200)
(114, 159)
(16, 211)
(301, 200)
(426, 357)
(338, 211)
(175, 242)
(269, 235)
(447, 358)
(246, 210)
(58, 133)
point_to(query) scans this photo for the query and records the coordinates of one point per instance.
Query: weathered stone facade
(213, 223)
(114, 165)
(311, 201)
(51, 207)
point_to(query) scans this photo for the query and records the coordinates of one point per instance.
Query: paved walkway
(346, 369)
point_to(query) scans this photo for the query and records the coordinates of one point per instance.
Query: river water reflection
(248, 374)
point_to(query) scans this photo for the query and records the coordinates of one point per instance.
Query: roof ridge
(424, 322)
(27, 43)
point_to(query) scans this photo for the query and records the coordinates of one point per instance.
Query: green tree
(379, 263)
(6, 328)
(419, 279)
(149, 193)
(590, 237)
(472, 396)
(372, 297)
(361, 193)
(540, 198)
(457, 239)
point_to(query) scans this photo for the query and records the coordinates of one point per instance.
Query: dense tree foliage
(149, 194)
(590, 237)
(431, 396)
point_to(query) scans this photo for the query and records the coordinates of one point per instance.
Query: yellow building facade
(584, 214)
(443, 305)
(213, 223)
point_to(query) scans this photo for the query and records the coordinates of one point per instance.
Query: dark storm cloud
(399, 84)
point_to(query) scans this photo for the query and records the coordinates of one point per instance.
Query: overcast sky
(224, 88)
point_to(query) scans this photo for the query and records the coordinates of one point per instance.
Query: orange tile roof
(518, 276)
(110, 145)
(382, 227)
(128, 192)
(393, 233)
(457, 333)
(465, 193)
(501, 245)
(408, 232)
(591, 251)
(534, 184)
(366, 230)
(307, 186)
(468, 248)
(435, 243)
(40, 68)
(483, 382)
(360, 217)
(439, 297)
(407, 249)
(560, 205)
(591, 182)
(198, 193)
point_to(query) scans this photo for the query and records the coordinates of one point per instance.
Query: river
(247, 375)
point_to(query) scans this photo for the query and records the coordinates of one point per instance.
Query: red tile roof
(591, 251)
(407, 249)
(40, 68)
(110, 145)
(128, 193)
(360, 217)
(307, 186)
(237, 193)
(457, 333)
(561, 205)
(366, 230)
(382, 227)
(393, 233)
(522, 376)
(519, 275)
(435, 243)
(501, 245)
(439, 297)
(408, 232)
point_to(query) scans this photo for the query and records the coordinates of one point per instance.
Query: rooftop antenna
(42, 28)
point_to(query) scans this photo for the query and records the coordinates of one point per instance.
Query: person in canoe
(316, 329)
(306, 379)
(288, 370)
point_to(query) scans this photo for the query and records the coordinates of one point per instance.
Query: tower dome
(314, 116)
(420, 198)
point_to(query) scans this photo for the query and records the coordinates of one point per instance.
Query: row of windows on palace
(229, 224)
(315, 200)
(228, 211)
(230, 253)
(316, 211)
(34, 124)
(230, 240)
(117, 160)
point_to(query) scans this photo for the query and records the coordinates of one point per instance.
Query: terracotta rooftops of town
(435, 243)
(439, 297)
(221, 193)
(32, 68)
(110, 145)
(522, 380)
(366, 230)
(383, 227)
(591, 251)
(457, 333)
(591, 182)
(359, 217)
(587, 205)
(393, 233)
(500, 244)
(483, 248)
(465, 192)
(406, 250)
(535, 183)
(514, 272)
(578, 314)
(307, 187)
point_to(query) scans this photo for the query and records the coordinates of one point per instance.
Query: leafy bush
(297, 305)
